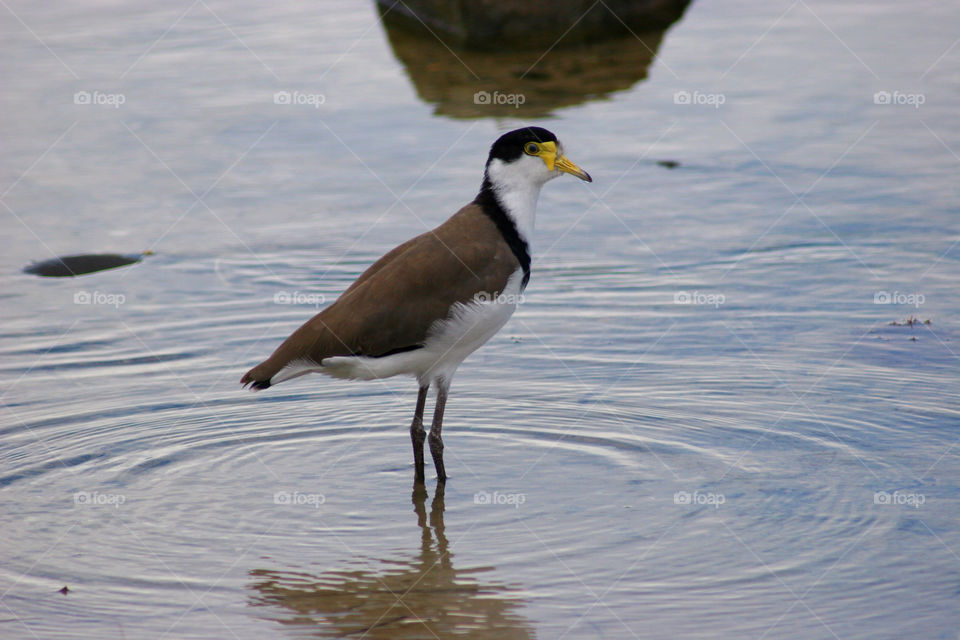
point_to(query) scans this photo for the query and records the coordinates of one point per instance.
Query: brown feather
(393, 304)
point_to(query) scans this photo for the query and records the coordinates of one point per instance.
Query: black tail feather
(256, 385)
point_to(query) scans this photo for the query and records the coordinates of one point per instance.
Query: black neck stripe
(488, 201)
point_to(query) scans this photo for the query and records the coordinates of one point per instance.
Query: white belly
(449, 342)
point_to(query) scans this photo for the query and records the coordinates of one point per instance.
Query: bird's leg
(418, 435)
(436, 442)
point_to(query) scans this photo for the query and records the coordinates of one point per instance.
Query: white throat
(517, 187)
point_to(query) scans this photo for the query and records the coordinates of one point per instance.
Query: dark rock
(535, 24)
(69, 266)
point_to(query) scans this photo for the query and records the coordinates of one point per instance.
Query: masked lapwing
(422, 308)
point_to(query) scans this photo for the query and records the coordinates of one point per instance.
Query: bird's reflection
(422, 596)
(465, 83)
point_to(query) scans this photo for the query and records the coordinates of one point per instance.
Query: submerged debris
(910, 322)
(70, 266)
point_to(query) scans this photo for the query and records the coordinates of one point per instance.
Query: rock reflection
(464, 83)
(419, 597)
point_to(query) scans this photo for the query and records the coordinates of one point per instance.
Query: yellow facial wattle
(547, 151)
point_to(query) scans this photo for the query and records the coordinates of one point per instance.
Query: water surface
(701, 422)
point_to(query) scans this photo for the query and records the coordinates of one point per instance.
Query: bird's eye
(532, 148)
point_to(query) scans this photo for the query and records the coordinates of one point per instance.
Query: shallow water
(774, 459)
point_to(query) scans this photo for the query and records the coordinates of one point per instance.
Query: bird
(426, 305)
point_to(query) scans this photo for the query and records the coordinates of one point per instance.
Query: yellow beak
(564, 165)
(555, 162)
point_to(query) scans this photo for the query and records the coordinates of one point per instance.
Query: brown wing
(393, 304)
